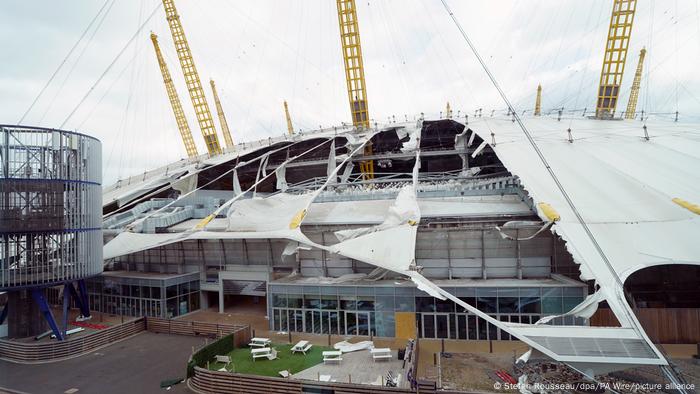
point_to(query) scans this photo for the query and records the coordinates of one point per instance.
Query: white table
(332, 355)
(380, 353)
(259, 342)
(260, 352)
(301, 346)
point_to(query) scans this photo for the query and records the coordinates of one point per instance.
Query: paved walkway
(135, 365)
(358, 367)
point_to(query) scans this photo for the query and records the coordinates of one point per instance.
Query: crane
(194, 85)
(634, 93)
(619, 33)
(180, 118)
(290, 129)
(222, 118)
(538, 101)
(355, 75)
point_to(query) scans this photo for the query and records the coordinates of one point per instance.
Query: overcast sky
(263, 52)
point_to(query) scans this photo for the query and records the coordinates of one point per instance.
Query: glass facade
(358, 310)
(145, 297)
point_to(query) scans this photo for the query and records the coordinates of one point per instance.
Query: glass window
(312, 302)
(486, 292)
(551, 305)
(425, 304)
(471, 327)
(171, 291)
(310, 289)
(329, 302)
(136, 291)
(384, 290)
(444, 305)
(366, 291)
(194, 286)
(465, 292)
(384, 303)
(155, 292)
(487, 304)
(348, 303)
(571, 302)
(294, 300)
(404, 304)
(385, 324)
(469, 300)
(279, 300)
(309, 322)
(507, 304)
(493, 330)
(552, 292)
(171, 307)
(329, 290)
(346, 290)
(365, 303)
(183, 288)
(183, 304)
(530, 292)
(573, 292)
(333, 321)
(530, 305)
(126, 291)
(317, 322)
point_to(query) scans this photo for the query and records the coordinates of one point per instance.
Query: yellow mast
(290, 129)
(222, 118)
(538, 101)
(634, 93)
(448, 111)
(618, 41)
(180, 118)
(194, 85)
(355, 75)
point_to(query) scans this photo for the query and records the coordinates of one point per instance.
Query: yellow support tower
(634, 93)
(194, 85)
(538, 101)
(355, 75)
(290, 129)
(615, 56)
(448, 111)
(222, 118)
(180, 118)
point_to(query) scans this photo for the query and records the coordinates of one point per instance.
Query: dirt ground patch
(470, 371)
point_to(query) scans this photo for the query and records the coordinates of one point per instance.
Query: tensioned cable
(76, 62)
(539, 154)
(121, 52)
(63, 62)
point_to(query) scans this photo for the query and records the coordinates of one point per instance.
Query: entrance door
(357, 323)
(435, 325)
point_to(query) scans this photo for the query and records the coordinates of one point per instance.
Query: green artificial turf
(243, 362)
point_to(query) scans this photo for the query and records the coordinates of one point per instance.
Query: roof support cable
(63, 62)
(582, 222)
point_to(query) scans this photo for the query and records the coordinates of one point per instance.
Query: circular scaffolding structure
(50, 207)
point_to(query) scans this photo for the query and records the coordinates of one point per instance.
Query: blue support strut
(39, 298)
(3, 314)
(66, 307)
(84, 298)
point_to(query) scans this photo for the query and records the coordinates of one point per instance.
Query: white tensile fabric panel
(266, 214)
(236, 184)
(393, 248)
(330, 170)
(128, 242)
(621, 184)
(281, 176)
